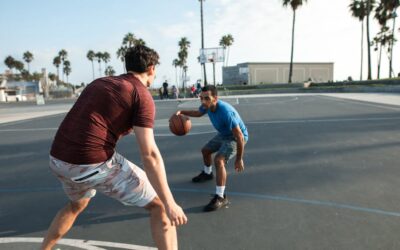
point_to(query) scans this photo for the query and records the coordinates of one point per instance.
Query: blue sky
(325, 32)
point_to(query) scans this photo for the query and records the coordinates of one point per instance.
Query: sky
(325, 32)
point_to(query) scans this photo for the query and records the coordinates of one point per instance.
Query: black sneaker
(202, 177)
(216, 203)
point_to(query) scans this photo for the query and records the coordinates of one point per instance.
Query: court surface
(321, 173)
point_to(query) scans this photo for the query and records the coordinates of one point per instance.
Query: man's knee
(156, 208)
(78, 206)
(219, 161)
(206, 151)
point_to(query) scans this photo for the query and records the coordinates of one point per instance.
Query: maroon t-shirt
(106, 110)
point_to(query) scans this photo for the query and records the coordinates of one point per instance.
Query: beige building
(261, 73)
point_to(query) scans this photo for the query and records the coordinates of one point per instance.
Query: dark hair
(139, 58)
(210, 88)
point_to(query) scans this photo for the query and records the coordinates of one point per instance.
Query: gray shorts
(117, 178)
(224, 146)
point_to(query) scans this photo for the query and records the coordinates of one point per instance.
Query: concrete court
(321, 173)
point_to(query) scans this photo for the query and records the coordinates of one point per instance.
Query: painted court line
(84, 244)
(242, 194)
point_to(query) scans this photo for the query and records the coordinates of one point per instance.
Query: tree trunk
(93, 69)
(362, 49)
(379, 62)
(369, 41)
(392, 46)
(291, 54)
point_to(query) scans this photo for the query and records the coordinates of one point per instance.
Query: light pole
(202, 40)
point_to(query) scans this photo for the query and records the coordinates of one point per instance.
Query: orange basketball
(179, 124)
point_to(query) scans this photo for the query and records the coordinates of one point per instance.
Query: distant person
(198, 87)
(230, 140)
(84, 159)
(175, 92)
(193, 91)
(165, 89)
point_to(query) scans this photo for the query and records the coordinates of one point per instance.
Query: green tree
(109, 71)
(67, 68)
(295, 4)
(369, 7)
(358, 10)
(382, 39)
(140, 41)
(10, 62)
(99, 57)
(52, 76)
(129, 40)
(90, 56)
(121, 55)
(176, 64)
(184, 45)
(63, 54)
(28, 58)
(391, 7)
(106, 58)
(226, 41)
(57, 63)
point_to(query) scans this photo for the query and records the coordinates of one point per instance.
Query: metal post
(202, 40)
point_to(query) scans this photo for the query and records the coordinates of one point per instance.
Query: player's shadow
(194, 210)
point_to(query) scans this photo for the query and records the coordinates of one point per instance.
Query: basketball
(179, 124)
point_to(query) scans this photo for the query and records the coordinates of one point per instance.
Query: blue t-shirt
(225, 118)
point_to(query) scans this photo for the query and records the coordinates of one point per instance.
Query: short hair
(210, 88)
(139, 58)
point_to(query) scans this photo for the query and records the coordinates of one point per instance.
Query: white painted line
(84, 244)
(325, 120)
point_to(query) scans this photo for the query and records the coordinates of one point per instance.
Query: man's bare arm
(237, 133)
(192, 113)
(155, 171)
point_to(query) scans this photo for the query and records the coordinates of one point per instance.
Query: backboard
(212, 55)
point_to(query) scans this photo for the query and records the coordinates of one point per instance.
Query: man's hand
(176, 215)
(239, 165)
(178, 112)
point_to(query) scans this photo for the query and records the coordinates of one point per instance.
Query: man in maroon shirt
(83, 153)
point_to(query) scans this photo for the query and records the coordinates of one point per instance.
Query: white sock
(207, 169)
(220, 190)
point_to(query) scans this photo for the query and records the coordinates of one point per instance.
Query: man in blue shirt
(230, 140)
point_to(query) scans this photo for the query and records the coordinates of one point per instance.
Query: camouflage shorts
(117, 178)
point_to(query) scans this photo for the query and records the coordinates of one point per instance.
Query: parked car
(14, 96)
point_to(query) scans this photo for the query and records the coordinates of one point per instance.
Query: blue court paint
(242, 194)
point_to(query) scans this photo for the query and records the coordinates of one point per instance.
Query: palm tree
(382, 38)
(90, 56)
(129, 40)
(184, 45)
(106, 58)
(63, 54)
(357, 9)
(56, 63)
(391, 6)
(109, 71)
(140, 41)
(295, 4)
(176, 64)
(121, 55)
(99, 57)
(10, 62)
(19, 66)
(226, 41)
(28, 57)
(67, 68)
(369, 7)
